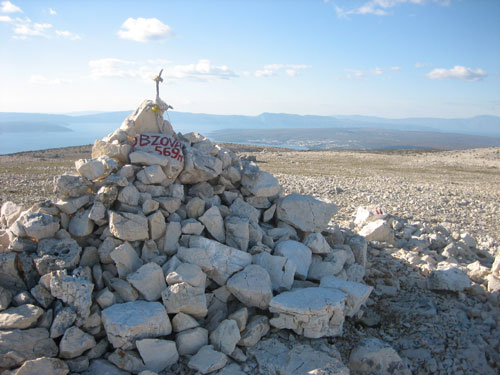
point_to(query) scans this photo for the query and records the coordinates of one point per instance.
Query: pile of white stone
(164, 250)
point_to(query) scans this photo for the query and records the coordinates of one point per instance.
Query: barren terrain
(459, 191)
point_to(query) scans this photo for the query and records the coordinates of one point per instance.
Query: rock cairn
(167, 253)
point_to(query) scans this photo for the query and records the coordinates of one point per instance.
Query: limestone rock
(70, 206)
(149, 281)
(225, 337)
(257, 327)
(262, 185)
(23, 316)
(126, 291)
(126, 322)
(224, 260)
(126, 259)
(152, 174)
(74, 291)
(18, 346)
(448, 278)
(189, 273)
(214, 223)
(63, 319)
(128, 360)
(237, 232)
(5, 298)
(38, 225)
(207, 360)
(75, 342)
(317, 243)
(68, 186)
(252, 286)
(199, 167)
(9, 212)
(305, 212)
(182, 322)
(373, 356)
(43, 366)
(274, 358)
(182, 297)
(311, 312)
(280, 269)
(357, 293)
(103, 367)
(244, 210)
(54, 254)
(116, 151)
(9, 274)
(128, 227)
(157, 354)
(157, 225)
(191, 340)
(378, 230)
(298, 254)
(129, 195)
(80, 224)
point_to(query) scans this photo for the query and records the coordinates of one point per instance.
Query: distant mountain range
(264, 125)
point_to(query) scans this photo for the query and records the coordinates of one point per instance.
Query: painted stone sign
(163, 144)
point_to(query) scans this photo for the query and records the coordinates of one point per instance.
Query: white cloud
(354, 73)
(377, 71)
(39, 79)
(5, 19)
(264, 73)
(8, 7)
(381, 7)
(144, 30)
(419, 64)
(273, 69)
(24, 28)
(52, 12)
(68, 35)
(203, 70)
(457, 72)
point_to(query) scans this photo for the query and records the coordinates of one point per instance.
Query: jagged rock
(237, 232)
(149, 281)
(43, 366)
(378, 230)
(63, 319)
(54, 254)
(262, 185)
(116, 151)
(257, 327)
(42, 295)
(317, 243)
(240, 317)
(199, 167)
(74, 291)
(182, 322)
(191, 340)
(128, 360)
(373, 356)
(70, 206)
(68, 186)
(128, 227)
(359, 248)
(311, 312)
(105, 298)
(80, 224)
(207, 360)
(18, 346)
(274, 358)
(95, 169)
(152, 174)
(9, 212)
(9, 274)
(75, 342)
(157, 225)
(157, 354)
(280, 269)
(23, 316)
(225, 337)
(192, 226)
(244, 210)
(296, 253)
(305, 212)
(214, 223)
(103, 367)
(126, 291)
(37, 225)
(252, 286)
(126, 322)
(129, 195)
(448, 278)
(5, 298)
(126, 259)
(223, 260)
(189, 273)
(357, 293)
(182, 297)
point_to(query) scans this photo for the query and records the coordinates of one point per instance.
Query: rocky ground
(443, 209)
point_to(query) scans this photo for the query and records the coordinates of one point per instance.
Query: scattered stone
(23, 316)
(225, 337)
(257, 327)
(191, 340)
(43, 366)
(449, 278)
(75, 342)
(252, 286)
(373, 356)
(128, 227)
(126, 322)
(207, 360)
(157, 354)
(149, 281)
(296, 253)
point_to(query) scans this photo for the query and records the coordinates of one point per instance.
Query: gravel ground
(434, 332)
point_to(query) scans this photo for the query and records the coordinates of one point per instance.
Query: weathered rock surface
(126, 322)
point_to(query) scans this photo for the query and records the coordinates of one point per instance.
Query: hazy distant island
(31, 127)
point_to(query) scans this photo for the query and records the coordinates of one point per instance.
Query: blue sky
(389, 58)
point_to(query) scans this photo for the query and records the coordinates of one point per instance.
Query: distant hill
(484, 126)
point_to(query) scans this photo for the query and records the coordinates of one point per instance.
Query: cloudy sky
(390, 58)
